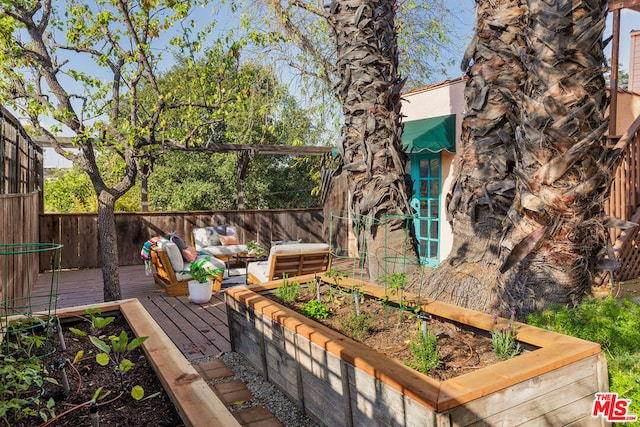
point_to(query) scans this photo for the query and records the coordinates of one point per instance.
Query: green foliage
(615, 325)
(288, 292)
(202, 271)
(255, 248)
(425, 353)
(21, 381)
(315, 309)
(503, 339)
(356, 326)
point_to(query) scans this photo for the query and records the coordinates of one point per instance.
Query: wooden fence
(18, 225)
(79, 232)
(624, 203)
(20, 159)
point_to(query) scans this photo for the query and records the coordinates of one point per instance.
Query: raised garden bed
(194, 400)
(342, 382)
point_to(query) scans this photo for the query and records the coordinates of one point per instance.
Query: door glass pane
(424, 208)
(424, 168)
(434, 230)
(424, 188)
(434, 189)
(434, 250)
(435, 168)
(434, 209)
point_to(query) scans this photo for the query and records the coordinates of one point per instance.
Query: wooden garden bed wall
(18, 224)
(79, 232)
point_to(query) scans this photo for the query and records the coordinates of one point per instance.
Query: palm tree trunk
(485, 186)
(562, 149)
(526, 203)
(373, 159)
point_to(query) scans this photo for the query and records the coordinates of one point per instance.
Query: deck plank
(197, 330)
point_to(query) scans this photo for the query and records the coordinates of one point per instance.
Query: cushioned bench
(290, 260)
(169, 267)
(220, 241)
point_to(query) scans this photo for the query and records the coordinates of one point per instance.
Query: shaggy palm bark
(542, 247)
(485, 186)
(373, 159)
(563, 163)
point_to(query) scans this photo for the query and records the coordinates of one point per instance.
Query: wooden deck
(197, 330)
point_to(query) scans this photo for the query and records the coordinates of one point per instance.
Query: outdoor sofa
(290, 260)
(220, 241)
(171, 270)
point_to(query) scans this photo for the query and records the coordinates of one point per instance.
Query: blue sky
(462, 20)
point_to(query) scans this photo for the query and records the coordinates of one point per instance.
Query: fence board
(79, 232)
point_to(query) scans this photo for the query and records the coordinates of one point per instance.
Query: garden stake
(318, 286)
(58, 364)
(93, 414)
(357, 297)
(63, 345)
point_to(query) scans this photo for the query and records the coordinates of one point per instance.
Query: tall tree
(526, 205)
(352, 49)
(80, 70)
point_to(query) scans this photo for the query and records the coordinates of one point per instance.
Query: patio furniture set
(171, 257)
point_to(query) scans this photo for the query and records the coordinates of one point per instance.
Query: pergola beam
(283, 150)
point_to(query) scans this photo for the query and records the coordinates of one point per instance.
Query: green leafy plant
(356, 326)
(202, 271)
(255, 248)
(615, 325)
(97, 322)
(425, 353)
(288, 292)
(503, 339)
(315, 309)
(21, 382)
(116, 353)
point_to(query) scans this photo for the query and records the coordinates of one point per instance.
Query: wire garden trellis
(347, 237)
(28, 322)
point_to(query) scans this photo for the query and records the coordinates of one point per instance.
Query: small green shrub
(356, 326)
(425, 353)
(288, 292)
(315, 310)
(504, 341)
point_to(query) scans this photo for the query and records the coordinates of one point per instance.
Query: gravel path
(264, 393)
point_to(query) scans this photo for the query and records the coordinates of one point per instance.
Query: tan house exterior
(438, 101)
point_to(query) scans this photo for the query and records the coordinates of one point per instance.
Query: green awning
(434, 135)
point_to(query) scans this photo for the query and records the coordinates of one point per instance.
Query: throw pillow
(177, 240)
(229, 240)
(189, 254)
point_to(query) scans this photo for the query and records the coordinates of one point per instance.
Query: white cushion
(260, 270)
(205, 236)
(174, 254)
(224, 250)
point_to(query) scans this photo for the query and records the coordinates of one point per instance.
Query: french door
(427, 182)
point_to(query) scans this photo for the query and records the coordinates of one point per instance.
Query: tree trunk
(533, 174)
(485, 185)
(108, 246)
(373, 159)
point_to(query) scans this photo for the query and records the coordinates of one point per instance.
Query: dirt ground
(629, 289)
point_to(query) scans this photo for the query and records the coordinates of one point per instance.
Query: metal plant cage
(347, 233)
(28, 320)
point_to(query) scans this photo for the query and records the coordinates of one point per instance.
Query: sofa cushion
(174, 254)
(260, 270)
(285, 242)
(205, 236)
(225, 250)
